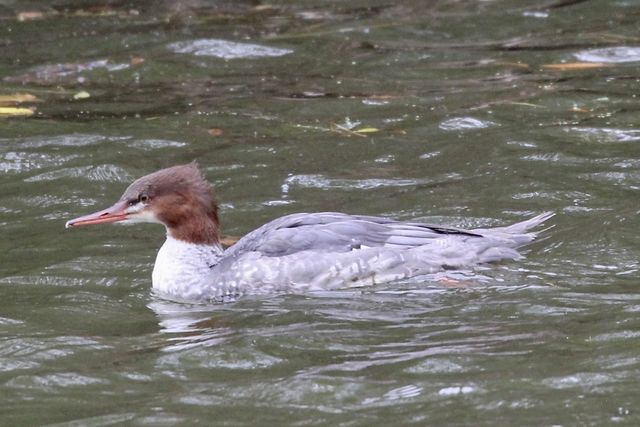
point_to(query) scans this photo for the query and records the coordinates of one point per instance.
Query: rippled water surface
(462, 113)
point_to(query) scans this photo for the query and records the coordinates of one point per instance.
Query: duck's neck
(198, 229)
(183, 269)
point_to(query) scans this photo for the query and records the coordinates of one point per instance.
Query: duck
(296, 253)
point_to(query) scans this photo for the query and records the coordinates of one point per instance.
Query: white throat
(183, 270)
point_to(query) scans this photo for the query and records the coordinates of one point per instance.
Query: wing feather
(336, 232)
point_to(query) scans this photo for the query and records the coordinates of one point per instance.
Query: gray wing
(317, 251)
(338, 232)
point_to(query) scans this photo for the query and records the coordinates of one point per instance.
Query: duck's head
(178, 197)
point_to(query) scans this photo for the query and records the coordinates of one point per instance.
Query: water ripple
(583, 380)
(457, 390)
(19, 161)
(54, 382)
(28, 353)
(606, 134)
(71, 140)
(152, 144)
(320, 181)
(104, 173)
(59, 72)
(226, 49)
(615, 55)
(465, 123)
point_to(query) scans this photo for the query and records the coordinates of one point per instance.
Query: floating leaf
(513, 64)
(575, 66)
(96, 11)
(453, 283)
(229, 240)
(311, 94)
(30, 15)
(524, 104)
(383, 96)
(264, 7)
(17, 98)
(339, 128)
(367, 130)
(15, 112)
(577, 109)
(82, 95)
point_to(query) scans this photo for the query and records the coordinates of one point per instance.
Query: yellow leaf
(82, 95)
(575, 66)
(382, 96)
(577, 109)
(524, 104)
(229, 240)
(367, 130)
(512, 64)
(14, 112)
(17, 98)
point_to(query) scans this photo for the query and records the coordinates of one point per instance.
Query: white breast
(182, 269)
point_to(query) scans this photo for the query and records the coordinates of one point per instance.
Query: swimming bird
(296, 253)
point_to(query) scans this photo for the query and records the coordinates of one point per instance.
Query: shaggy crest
(179, 194)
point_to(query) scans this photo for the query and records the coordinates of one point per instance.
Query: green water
(465, 124)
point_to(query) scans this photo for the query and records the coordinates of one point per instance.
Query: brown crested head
(180, 198)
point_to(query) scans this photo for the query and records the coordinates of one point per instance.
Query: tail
(517, 234)
(524, 226)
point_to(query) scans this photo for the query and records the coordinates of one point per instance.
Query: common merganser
(296, 253)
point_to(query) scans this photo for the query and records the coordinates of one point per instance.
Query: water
(469, 114)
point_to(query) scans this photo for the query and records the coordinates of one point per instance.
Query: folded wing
(336, 232)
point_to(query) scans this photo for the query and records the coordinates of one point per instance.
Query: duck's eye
(143, 198)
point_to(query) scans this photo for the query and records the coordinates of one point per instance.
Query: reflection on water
(467, 114)
(190, 325)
